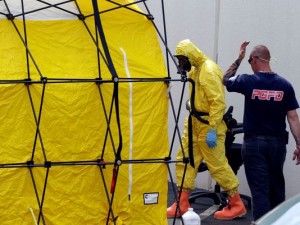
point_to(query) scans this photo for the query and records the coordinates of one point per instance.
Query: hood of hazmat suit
(209, 90)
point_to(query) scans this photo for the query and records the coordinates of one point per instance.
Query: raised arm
(233, 68)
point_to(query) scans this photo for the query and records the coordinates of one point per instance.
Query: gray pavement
(206, 207)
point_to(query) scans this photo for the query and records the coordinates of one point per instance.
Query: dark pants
(263, 158)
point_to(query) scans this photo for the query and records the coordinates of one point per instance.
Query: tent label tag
(151, 198)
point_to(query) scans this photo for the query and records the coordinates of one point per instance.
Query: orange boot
(183, 203)
(234, 209)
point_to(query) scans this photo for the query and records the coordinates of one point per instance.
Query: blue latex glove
(211, 138)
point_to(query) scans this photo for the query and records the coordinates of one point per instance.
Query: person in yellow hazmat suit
(207, 100)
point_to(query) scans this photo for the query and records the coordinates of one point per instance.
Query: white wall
(275, 24)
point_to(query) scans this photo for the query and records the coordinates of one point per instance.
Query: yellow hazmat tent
(83, 128)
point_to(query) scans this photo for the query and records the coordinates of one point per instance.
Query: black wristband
(237, 62)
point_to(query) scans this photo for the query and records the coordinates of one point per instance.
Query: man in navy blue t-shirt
(269, 100)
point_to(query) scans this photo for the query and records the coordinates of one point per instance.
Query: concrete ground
(206, 206)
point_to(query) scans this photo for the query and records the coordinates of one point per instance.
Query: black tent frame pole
(98, 39)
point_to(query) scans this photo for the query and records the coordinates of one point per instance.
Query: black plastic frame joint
(44, 79)
(99, 80)
(168, 158)
(47, 164)
(101, 162)
(10, 16)
(150, 17)
(27, 81)
(186, 160)
(167, 80)
(30, 163)
(81, 16)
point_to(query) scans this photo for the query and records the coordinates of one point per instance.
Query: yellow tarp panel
(47, 128)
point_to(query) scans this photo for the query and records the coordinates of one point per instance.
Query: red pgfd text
(267, 95)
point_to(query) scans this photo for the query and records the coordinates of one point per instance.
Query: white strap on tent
(130, 121)
(33, 216)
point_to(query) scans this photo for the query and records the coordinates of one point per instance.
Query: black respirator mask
(187, 65)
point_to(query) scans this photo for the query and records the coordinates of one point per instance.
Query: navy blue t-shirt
(268, 98)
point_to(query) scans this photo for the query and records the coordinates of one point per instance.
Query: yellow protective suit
(209, 98)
